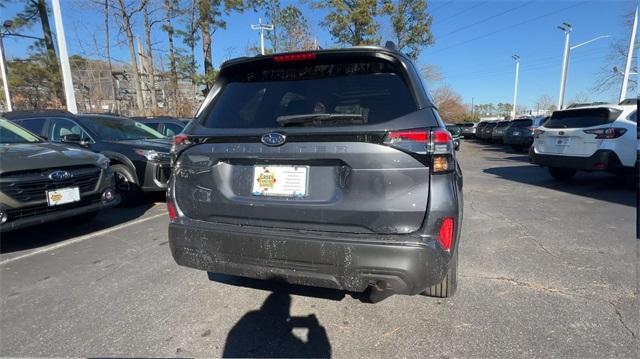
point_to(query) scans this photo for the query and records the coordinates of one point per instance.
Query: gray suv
(329, 168)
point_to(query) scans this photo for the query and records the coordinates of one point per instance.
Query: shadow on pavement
(601, 186)
(52, 232)
(268, 333)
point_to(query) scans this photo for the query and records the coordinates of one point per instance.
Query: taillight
(436, 142)
(171, 208)
(606, 133)
(301, 56)
(181, 139)
(537, 133)
(445, 234)
(414, 141)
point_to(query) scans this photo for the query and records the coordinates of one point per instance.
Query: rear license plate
(283, 181)
(563, 141)
(63, 196)
(516, 133)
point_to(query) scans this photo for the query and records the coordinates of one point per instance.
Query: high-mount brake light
(301, 56)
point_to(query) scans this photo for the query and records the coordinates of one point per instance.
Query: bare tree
(169, 7)
(545, 103)
(450, 104)
(150, 68)
(126, 14)
(107, 50)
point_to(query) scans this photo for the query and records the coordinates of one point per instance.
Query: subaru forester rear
(329, 168)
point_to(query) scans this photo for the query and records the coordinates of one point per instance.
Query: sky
(474, 42)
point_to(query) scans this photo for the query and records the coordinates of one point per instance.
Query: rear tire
(446, 288)
(126, 186)
(562, 174)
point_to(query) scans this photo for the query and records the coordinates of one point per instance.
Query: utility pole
(627, 68)
(566, 27)
(64, 59)
(5, 79)
(516, 58)
(472, 114)
(262, 27)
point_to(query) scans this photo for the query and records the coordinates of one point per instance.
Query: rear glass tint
(579, 118)
(372, 92)
(521, 123)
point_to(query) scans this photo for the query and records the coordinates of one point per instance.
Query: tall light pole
(67, 80)
(627, 68)
(262, 27)
(516, 58)
(5, 79)
(566, 27)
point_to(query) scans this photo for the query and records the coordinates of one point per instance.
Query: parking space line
(80, 239)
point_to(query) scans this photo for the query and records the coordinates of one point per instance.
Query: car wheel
(562, 173)
(446, 288)
(126, 186)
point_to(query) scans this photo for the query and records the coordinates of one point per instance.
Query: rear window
(522, 123)
(328, 94)
(579, 118)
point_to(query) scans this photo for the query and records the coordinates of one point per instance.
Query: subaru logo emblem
(273, 139)
(59, 175)
(561, 133)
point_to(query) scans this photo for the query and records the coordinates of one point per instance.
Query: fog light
(4, 217)
(108, 195)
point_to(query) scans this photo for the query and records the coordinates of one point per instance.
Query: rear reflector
(445, 234)
(302, 56)
(171, 208)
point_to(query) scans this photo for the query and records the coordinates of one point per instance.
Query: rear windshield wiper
(313, 118)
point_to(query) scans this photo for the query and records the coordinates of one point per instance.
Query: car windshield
(120, 129)
(12, 133)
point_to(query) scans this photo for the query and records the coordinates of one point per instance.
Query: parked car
(479, 128)
(139, 155)
(168, 126)
(42, 182)
(487, 131)
(456, 133)
(597, 138)
(469, 130)
(498, 131)
(329, 168)
(519, 134)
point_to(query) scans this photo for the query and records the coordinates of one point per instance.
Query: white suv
(592, 138)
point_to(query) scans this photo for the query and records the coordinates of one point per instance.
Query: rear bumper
(601, 160)
(401, 264)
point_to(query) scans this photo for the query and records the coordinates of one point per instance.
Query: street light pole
(515, 90)
(627, 68)
(565, 63)
(67, 80)
(5, 79)
(262, 27)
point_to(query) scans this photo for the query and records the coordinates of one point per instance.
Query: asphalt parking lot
(547, 269)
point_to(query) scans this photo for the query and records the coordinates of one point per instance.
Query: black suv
(139, 155)
(329, 168)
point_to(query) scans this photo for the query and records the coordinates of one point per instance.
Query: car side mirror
(75, 139)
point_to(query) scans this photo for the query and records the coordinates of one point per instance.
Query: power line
(462, 12)
(509, 27)
(489, 18)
